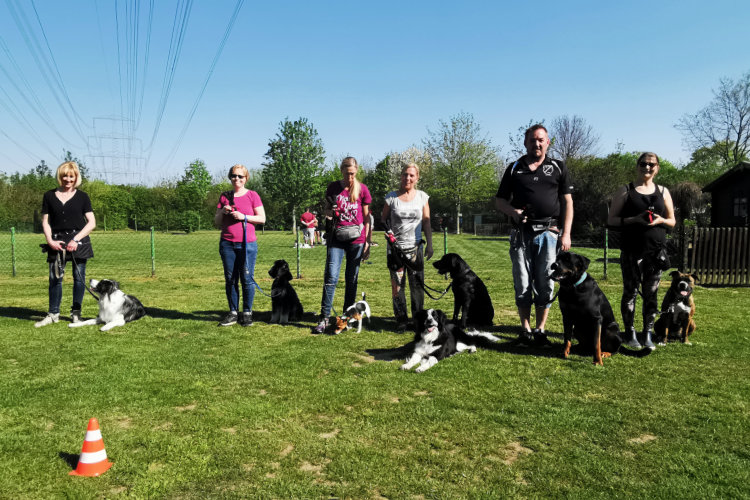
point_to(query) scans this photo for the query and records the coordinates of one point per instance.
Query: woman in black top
(67, 220)
(644, 211)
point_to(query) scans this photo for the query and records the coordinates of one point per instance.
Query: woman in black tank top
(644, 211)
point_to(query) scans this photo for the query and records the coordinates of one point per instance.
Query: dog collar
(583, 277)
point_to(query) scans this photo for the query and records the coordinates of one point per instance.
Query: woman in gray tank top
(406, 214)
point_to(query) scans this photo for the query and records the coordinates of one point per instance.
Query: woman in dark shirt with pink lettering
(237, 213)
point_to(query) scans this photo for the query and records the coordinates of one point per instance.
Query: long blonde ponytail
(355, 188)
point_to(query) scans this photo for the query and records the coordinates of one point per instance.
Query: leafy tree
(81, 166)
(191, 193)
(572, 137)
(465, 162)
(386, 176)
(706, 164)
(112, 205)
(295, 161)
(724, 122)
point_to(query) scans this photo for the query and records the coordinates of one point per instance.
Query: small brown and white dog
(352, 314)
(677, 310)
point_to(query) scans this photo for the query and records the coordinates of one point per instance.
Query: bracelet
(78, 242)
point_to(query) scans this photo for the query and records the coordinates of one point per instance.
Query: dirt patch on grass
(155, 467)
(308, 467)
(164, 427)
(118, 490)
(366, 359)
(421, 393)
(513, 452)
(124, 423)
(230, 430)
(394, 399)
(286, 451)
(329, 435)
(262, 392)
(642, 439)
(189, 407)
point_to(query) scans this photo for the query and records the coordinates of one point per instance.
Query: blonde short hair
(67, 168)
(408, 166)
(241, 168)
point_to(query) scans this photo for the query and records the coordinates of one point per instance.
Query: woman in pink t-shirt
(348, 205)
(237, 213)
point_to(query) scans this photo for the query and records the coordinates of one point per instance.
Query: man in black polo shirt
(530, 193)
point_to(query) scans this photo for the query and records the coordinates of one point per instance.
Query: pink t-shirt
(350, 213)
(231, 230)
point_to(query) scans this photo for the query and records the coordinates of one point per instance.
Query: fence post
(153, 254)
(296, 237)
(606, 248)
(13, 249)
(445, 240)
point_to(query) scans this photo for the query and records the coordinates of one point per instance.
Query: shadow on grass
(21, 313)
(156, 312)
(70, 458)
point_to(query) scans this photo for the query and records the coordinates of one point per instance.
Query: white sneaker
(48, 320)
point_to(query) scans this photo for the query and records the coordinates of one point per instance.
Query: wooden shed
(729, 197)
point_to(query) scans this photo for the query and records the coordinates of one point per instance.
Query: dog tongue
(431, 329)
(683, 293)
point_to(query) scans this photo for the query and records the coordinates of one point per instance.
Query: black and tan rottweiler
(677, 310)
(587, 314)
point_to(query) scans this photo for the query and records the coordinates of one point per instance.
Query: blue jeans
(55, 286)
(532, 255)
(239, 268)
(334, 257)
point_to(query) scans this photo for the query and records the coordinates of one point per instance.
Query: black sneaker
(75, 316)
(525, 338)
(321, 327)
(540, 338)
(230, 319)
(246, 318)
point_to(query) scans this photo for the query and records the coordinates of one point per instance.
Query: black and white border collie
(437, 338)
(115, 307)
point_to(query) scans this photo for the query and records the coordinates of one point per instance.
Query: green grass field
(190, 410)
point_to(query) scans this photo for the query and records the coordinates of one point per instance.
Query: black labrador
(285, 304)
(470, 297)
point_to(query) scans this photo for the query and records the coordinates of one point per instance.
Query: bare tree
(724, 123)
(572, 137)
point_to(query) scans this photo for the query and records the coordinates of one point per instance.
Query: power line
(210, 72)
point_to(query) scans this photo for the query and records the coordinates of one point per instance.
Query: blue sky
(372, 77)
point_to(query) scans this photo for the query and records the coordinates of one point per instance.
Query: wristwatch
(78, 242)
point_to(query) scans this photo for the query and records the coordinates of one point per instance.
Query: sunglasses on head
(648, 164)
(236, 176)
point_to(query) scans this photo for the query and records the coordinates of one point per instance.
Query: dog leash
(410, 266)
(78, 272)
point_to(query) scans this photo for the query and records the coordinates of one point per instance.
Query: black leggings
(636, 273)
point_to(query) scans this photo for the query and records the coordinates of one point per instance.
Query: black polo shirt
(537, 192)
(71, 215)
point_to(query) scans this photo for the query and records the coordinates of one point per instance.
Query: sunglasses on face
(648, 164)
(236, 176)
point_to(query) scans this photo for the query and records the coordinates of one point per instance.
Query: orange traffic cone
(93, 460)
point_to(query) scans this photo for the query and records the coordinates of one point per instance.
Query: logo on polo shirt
(547, 170)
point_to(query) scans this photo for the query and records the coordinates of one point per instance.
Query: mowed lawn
(190, 410)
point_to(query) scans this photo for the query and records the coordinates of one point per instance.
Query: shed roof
(727, 177)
